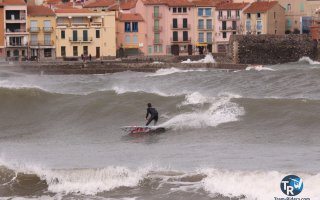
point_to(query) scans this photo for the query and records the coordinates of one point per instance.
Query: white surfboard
(142, 129)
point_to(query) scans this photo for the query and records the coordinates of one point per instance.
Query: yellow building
(267, 17)
(41, 23)
(82, 32)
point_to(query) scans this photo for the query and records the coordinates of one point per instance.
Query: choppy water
(231, 134)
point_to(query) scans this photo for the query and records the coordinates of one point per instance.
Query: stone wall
(270, 49)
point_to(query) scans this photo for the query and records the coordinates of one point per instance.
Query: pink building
(228, 21)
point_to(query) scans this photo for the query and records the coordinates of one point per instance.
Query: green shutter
(301, 7)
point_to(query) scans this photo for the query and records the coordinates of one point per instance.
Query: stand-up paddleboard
(143, 129)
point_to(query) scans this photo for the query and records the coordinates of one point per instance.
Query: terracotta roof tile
(130, 17)
(99, 3)
(154, 2)
(39, 11)
(128, 5)
(232, 6)
(54, 1)
(14, 2)
(73, 10)
(212, 3)
(262, 6)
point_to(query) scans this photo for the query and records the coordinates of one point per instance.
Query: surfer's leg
(150, 120)
(155, 120)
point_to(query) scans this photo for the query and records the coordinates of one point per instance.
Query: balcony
(80, 40)
(159, 41)
(80, 25)
(16, 31)
(34, 29)
(208, 28)
(17, 44)
(226, 29)
(130, 45)
(41, 43)
(180, 27)
(156, 15)
(13, 19)
(63, 24)
(178, 40)
(47, 29)
(202, 41)
(225, 18)
(96, 24)
(157, 29)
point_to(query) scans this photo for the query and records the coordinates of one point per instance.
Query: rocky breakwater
(271, 49)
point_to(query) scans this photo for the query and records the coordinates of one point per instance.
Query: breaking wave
(309, 60)
(172, 70)
(208, 59)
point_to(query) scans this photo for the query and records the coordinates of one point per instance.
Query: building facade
(267, 17)
(228, 22)
(81, 33)
(15, 27)
(42, 38)
(2, 32)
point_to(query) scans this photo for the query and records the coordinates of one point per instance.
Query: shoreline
(104, 67)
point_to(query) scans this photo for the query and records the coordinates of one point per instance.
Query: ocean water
(230, 134)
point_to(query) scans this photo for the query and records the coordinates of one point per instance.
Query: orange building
(2, 46)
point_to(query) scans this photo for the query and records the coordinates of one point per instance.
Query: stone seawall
(112, 67)
(270, 49)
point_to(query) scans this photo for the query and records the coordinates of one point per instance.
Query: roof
(40, 11)
(262, 6)
(73, 10)
(53, 1)
(99, 3)
(231, 6)
(210, 3)
(171, 3)
(128, 5)
(14, 2)
(154, 2)
(130, 17)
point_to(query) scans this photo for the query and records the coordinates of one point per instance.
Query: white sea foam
(208, 59)
(221, 110)
(172, 70)
(309, 60)
(255, 185)
(259, 68)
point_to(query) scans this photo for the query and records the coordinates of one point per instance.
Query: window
(127, 39)
(234, 32)
(248, 25)
(259, 25)
(234, 25)
(75, 51)
(289, 23)
(127, 27)
(135, 39)
(85, 35)
(248, 15)
(47, 53)
(63, 51)
(224, 35)
(85, 50)
(274, 15)
(185, 23)
(63, 34)
(224, 25)
(229, 13)
(97, 33)
(135, 27)
(47, 25)
(33, 26)
(288, 7)
(208, 11)
(34, 39)
(220, 13)
(201, 37)
(174, 10)
(258, 15)
(209, 37)
(200, 11)
(184, 11)
(175, 35)
(301, 7)
(174, 23)
(200, 24)
(150, 49)
(185, 36)
(157, 38)
(75, 35)
(238, 13)
(47, 39)
(209, 24)
(179, 10)
(156, 11)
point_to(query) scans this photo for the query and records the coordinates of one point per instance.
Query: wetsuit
(153, 115)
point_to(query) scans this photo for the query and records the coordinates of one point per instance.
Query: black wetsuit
(153, 115)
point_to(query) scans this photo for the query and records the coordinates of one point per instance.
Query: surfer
(153, 115)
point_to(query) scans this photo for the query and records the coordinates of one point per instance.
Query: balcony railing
(42, 43)
(34, 29)
(208, 41)
(156, 15)
(96, 24)
(205, 27)
(180, 27)
(16, 31)
(157, 28)
(80, 24)
(224, 17)
(80, 40)
(130, 45)
(47, 29)
(159, 41)
(180, 40)
(63, 24)
(228, 29)
(17, 44)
